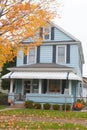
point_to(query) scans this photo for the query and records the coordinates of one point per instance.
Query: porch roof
(42, 75)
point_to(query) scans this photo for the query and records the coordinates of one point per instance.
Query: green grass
(41, 115)
(42, 126)
(47, 113)
(2, 107)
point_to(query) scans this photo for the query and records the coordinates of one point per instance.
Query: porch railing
(51, 98)
(16, 97)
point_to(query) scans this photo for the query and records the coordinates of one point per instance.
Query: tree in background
(21, 19)
(6, 84)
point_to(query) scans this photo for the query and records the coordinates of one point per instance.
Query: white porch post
(40, 86)
(69, 87)
(11, 85)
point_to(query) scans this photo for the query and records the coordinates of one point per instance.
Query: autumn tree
(21, 19)
(5, 84)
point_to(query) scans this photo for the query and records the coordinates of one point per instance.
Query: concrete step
(17, 105)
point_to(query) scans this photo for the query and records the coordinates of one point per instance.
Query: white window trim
(35, 57)
(49, 34)
(57, 54)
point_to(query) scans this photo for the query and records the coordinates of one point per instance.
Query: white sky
(74, 20)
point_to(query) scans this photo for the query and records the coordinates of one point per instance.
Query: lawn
(25, 119)
(2, 107)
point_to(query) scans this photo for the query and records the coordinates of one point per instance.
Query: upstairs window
(46, 33)
(61, 54)
(32, 56)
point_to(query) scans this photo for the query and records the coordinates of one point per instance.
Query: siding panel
(60, 36)
(46, 54)
(74, 57)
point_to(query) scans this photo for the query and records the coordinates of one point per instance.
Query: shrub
(56, 107)
(28, 104)
(46, 106)
(66, 107)
(3, 99)
(37, 105)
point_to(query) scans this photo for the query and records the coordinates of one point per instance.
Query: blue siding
(46, 54)
(73, 88)
(20, 58)
(60, 36)
(19, 86)
(74, 55)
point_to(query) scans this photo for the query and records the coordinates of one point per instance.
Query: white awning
(41, 75)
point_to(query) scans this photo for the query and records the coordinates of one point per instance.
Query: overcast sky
(74, 20)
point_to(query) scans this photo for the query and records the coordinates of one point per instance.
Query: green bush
(46, 106)
(3, 99)
(56, 107)
(28, 104)
(37, 105)
(66, 106)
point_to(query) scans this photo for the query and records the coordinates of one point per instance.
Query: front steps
(17, 105)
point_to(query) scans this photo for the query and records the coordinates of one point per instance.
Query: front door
(27, 86)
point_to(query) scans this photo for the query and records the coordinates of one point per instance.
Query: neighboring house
(85, 88)
(51, 72)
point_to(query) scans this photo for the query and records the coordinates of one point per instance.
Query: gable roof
(74, 39)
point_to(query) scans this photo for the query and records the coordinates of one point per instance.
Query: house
(52, 72)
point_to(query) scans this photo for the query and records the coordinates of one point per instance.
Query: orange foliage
(21, 19)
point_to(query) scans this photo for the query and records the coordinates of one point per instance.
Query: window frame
(48, 33)
(28, 61)
(57, 54)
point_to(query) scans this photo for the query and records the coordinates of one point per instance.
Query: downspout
(10, 75)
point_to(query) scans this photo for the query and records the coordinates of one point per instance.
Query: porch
(41, 91)
(43, 98)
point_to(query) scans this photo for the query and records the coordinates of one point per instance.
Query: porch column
(69, 87)
(40, 85)
(11, 85)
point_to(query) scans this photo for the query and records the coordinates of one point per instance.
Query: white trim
(35, 49)
(42, 75)
(57, 53)
(48, 33)
(69, 87)
(11, 85)
(22, 87)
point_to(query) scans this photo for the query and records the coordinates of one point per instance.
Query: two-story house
(50, 71)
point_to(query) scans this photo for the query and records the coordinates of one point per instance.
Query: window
(32, 56)
(47, 33)
(27, 87)
(61, 54)
(54, 86)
